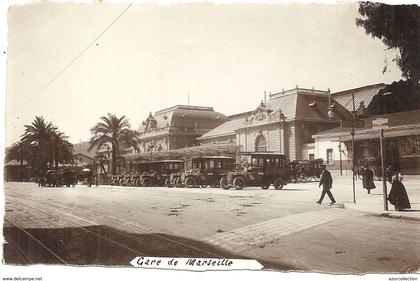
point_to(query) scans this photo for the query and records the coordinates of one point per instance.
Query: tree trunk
(114, 159)
(21, 170)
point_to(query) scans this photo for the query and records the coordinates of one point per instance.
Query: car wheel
(239, 183)
(146, 182)
(168, 183)
(278, 183)
(223, 182)
(178, 183)
(302, 177)
(265, 186)
(190, 182)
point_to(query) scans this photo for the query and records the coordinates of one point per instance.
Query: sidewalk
(374, 203)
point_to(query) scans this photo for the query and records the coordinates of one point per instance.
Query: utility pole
(352, 149)
(381, 140)
(341, 163)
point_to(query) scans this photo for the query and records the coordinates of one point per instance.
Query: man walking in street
(326, 182)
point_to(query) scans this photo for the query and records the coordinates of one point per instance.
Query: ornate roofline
(187, 107)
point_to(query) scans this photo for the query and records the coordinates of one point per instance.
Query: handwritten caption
(195, 264)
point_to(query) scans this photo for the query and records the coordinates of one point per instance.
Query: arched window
(260, 144)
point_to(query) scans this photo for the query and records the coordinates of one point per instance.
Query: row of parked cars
(256, 169)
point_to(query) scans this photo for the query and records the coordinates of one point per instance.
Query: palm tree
(18, 151)
(38, 136)
(47, 144)
(62, 149)
(115, 131)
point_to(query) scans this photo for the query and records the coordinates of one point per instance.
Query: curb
(384, 215)
(392, 216)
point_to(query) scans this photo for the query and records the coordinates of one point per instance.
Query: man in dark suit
(326, 182)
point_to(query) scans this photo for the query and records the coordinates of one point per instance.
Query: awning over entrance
(187, 152)
(392, 132)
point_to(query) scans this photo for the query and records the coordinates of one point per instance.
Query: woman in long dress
(398, 195)
(367, 179)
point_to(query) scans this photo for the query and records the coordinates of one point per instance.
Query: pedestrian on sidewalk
(398, 195)
(326, 182)
(367, 178)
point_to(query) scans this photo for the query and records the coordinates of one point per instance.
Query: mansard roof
(295, 104)
(184, 116)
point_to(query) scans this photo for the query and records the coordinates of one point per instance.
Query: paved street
(284, 230)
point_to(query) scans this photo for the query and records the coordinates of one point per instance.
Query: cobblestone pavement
(243, 238)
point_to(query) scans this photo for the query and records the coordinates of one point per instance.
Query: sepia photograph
(252, 137)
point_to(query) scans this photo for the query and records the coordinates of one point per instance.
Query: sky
(225, 56)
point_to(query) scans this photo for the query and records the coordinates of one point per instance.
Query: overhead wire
(40, 91)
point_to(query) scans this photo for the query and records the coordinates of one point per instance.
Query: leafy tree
(398, 26)
(115, 131)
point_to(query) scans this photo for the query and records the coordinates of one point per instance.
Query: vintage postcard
(260, 138)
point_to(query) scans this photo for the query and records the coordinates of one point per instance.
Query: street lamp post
(385, 192)
(352, 148)
(344, 123)
(341, 163)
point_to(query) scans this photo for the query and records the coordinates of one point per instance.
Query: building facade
(396, 109)
(285, 124)
(401, 143)
(177, 127)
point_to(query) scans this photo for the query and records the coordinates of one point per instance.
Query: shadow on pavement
(103, 245)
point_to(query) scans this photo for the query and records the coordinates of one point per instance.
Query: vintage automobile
(60, 177)
(51, 178)
(132, 178)
(159, 172)
(311, 170)
(68, 177)
(205, 171)
(259, 169)
(295, 171)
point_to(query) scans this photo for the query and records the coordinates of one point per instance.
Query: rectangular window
(311, 156)
(330, 156)
(197, 165)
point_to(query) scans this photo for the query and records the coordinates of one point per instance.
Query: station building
(177, 127)
(172, 133)
(301, 123)
(284, 124)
